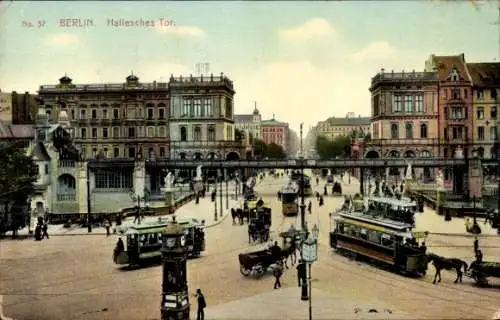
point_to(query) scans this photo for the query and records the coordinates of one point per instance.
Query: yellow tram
(289, 200)
(369, 235)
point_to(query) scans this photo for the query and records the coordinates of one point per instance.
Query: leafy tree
(327, 149)
(275, 151)
(238, 135)
(18, 173)
(64, 144)
(259, 148)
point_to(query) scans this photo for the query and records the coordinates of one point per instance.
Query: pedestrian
(107, 225)
(45, 227)
(202, 304)
(309, 207)
(278, 272)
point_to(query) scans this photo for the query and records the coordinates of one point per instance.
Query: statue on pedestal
(440, 178)
(169, 181)
(408, 172)
(198, 173)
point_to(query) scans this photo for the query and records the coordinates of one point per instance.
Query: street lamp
(138, 198)
(215, 201)
(301, 185)
(236, 185)
(309, 255)
(219, 176)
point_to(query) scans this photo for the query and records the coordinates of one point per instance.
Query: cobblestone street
(75, 278)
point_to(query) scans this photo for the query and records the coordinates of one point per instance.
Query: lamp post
(138, 198)
(309, 255)
(497, 155)
(219, 175)
(301, 185)
(215, 201)
(89, 210)
(236, 185)
(227, 189)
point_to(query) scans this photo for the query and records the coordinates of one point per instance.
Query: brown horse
(441, 263)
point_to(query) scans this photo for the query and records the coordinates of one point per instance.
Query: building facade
(19, 109)
(113, 120)
(404, 118)
(334, 127)
(455, 124)
(202, 118)
(485, 102)
(249, 123)
(274, 131)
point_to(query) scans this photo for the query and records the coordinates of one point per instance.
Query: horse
(441, 263)
(289, 252)
(234, 215)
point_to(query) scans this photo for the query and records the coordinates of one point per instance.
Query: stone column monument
(198, 184)
(169, 191)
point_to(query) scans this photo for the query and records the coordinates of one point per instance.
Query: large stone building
(334, 127)
(274, 131)
(118, 120)
(485, 90)
(201, 118)
(249, 123)
(18, 108)
(404, 117)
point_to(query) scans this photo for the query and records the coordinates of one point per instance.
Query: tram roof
(159, 226)
(403, 203)
(377, 221)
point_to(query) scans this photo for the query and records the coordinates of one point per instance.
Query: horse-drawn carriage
(337, 189)
(481, 271)
(259, 223)
(257, 262)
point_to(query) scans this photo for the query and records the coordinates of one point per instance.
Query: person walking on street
(107, 225)
(309, 207)
(278, 272)
(45, 227)
(202, 304)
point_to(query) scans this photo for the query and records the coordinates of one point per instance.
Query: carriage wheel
(244, 271)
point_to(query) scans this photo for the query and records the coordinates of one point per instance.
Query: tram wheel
(244, 271)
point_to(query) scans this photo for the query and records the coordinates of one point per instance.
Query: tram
(289, 200)
(144, 241)
(296, 177)
(373, 234)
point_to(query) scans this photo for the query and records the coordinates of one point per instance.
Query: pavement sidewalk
(285, 303)
(204, 210)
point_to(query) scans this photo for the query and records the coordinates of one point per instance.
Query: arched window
(409, 131)
(211, 133)
(183, 134)
(116, 152)
(423, 130)
(197, 134)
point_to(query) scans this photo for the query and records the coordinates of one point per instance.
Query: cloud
(182, 31)
(62, 39)
(298, 91)
(376, 51)
(313, 28)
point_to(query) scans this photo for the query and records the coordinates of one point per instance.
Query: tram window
(160, 238)
(387, 240)
(374, 236)
(152, 239)
(363, 234)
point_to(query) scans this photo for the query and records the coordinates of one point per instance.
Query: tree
(18, 174)
(238, 135)
(64, 145)
(275, 151)
(259, 148)
(327, 149)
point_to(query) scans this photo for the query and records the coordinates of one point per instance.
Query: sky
(301, 61)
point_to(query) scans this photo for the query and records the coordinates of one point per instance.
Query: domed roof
(132, 78)
(65, 79)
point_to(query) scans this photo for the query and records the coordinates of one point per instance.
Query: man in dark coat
(202, 304)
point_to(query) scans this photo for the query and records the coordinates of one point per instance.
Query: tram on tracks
(380, 232)
(289, 200)
(144, 241)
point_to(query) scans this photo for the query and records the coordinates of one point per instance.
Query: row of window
(117, 179)
(376, 237)
(481, 133)
(117, 153)
(457, 93)
(128, 132)
(480, 113)
(196, 134)
(195, 108)
(132, 113)
(407, 103)
(272, 129)
(455, 132)
(408, 130)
